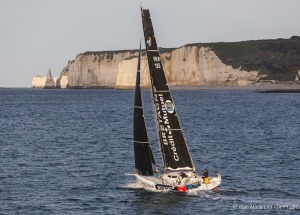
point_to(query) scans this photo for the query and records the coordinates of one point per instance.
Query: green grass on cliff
(278, 59)
(233, 53)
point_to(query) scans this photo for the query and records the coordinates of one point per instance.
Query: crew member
(181, 178)
(183, 175)
(205, 176)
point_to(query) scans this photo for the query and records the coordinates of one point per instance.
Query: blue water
(66, 152)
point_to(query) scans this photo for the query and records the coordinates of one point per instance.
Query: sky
(40, 34)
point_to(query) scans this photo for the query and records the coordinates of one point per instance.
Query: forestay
(142, 149)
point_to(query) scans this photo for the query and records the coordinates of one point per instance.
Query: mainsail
(142, 149)
(173, 146)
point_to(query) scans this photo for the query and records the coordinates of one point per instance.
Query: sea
(67, 152)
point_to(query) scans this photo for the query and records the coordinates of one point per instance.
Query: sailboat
(179, 173)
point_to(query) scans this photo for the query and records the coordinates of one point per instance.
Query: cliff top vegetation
(279, 59)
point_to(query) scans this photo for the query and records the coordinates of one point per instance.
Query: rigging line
(152, 159)
(141, 73)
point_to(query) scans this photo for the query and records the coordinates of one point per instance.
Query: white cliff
(187, 65)
(93, 70)
(297, 76)
(126, 74)
(38, 82)
(43, 82)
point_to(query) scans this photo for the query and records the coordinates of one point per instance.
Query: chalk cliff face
(96, 69)
(187, 65)
(126, 73)
(43, 82)
(38, 82)
(297, 79)
(191, 65)
(234, 63)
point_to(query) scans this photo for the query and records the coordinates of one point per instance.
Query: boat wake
(137, 185)
(132, 185)
(246, 197)
(236, 197)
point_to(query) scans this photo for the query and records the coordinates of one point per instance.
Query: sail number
(157, 63)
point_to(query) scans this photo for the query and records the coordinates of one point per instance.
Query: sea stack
(43, 82)
(50, 83)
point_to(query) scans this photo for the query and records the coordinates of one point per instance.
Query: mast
(142, 148)
(173, 146)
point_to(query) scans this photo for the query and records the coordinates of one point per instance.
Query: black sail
(172, 142)
(142, 149)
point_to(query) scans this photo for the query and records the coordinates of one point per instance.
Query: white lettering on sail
(164, 112)
(156, 59)
(164, 125)
(157, 65)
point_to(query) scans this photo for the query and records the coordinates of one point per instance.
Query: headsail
(142, 149)
(172, 142)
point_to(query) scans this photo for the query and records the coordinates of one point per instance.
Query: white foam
(133, 185)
